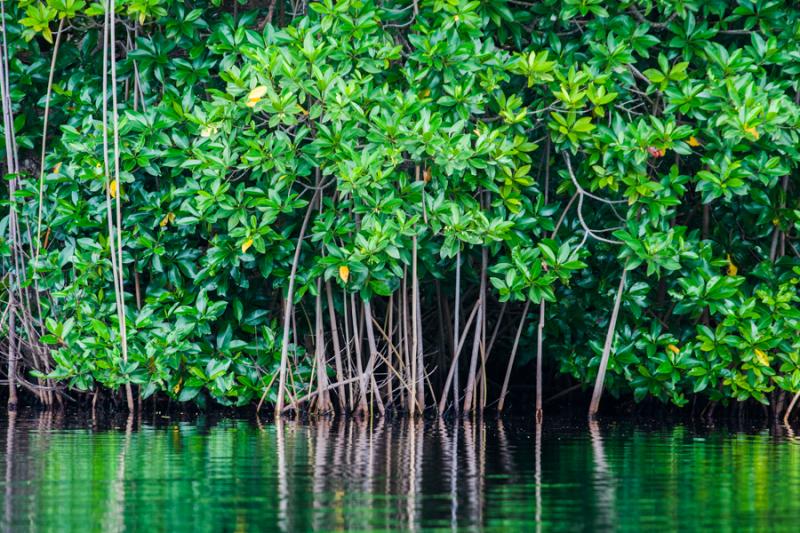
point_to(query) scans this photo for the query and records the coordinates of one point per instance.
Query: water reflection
(8, 517)
(603, 480)
(234, 475)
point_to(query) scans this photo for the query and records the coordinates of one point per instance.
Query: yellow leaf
(208, 131)
(256, 95)
(57, 168)
(775, 221)
(112, 189)
(762, 357)
(344, 273)
(752, 131)
(693, 141)
(732, 268)
(674, 349)
(246, 245)
(169, 217)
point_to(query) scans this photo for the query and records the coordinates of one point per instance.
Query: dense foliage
(336, 200)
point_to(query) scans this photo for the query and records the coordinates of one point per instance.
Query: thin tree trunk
(337, 351)
(791, 407)
(44, 136)
(373, 354)
(410, 399)
(111, 21)
(421, 375)
(539, 337)
(323, 398)
(389, 386)
(357, 332)
(12, 351)
(456, 327)
(415, 392)
(504, 390)
(11, 164)
(473, 364)
(350, 395)
(454, 365)
(612, 324)
(289, 307)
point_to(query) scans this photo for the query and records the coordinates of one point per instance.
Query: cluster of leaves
(567, 139)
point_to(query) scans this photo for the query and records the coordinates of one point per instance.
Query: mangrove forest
(439, 207)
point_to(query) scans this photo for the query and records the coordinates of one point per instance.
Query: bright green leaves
(37, 20)
(572, 89)
(561, 260)
(142, 10)
(656, 364)
(699, 290)
(599, 97)
(530, 273)
(39, 14)
(511, 109)
(581, 97)
(67, 8)
(666, 73)
(658, 249)
(571, 127)
(535, 67)
(573, 8)
(725, 179)
(524, 277)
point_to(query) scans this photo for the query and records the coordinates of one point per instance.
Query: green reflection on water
(234, 475)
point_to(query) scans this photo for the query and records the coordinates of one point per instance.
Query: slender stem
(289, 306)
(612, 324)
(454, 365)
(337, 351)
(44, 138)
(476, 345)
(323, 399)
(373, 354)
(11, 162)
(511, 358)
(115, 123)
(539, 345)
(791, 407)
(456, 326)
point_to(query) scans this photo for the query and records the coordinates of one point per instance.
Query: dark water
(234, 475)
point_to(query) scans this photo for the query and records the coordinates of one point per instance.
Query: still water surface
(236, 475)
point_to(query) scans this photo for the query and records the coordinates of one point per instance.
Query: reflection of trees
(449, 446)
(407, 474)
(603, 482)
(475, 459)
(115, 518)
(8, 507)
(283, 481)
(331, 475)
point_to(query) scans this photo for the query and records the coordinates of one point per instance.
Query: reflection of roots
(603, 478)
